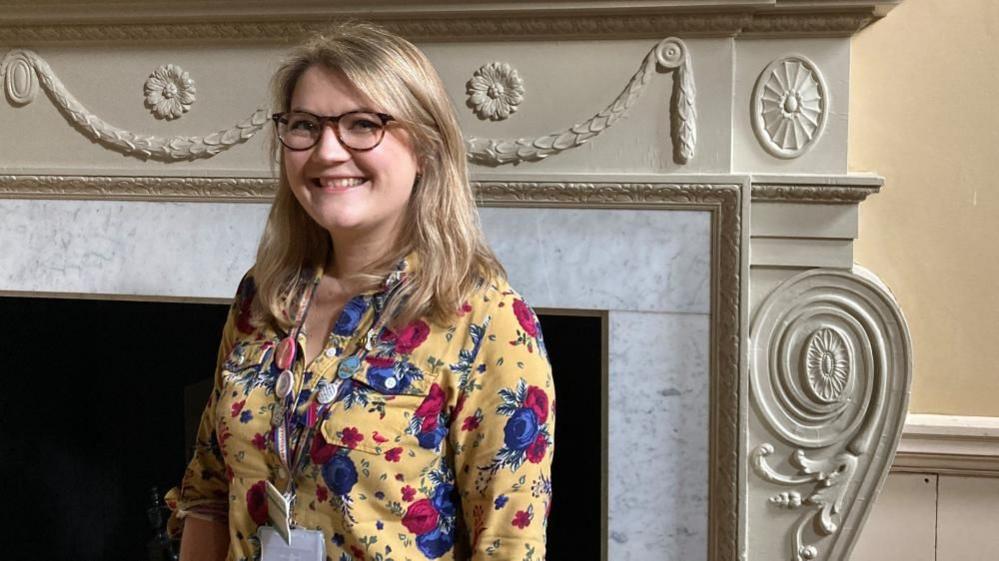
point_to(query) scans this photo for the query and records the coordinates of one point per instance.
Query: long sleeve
(503, 434)
(204, 489)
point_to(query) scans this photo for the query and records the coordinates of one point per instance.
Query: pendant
(277, 417)
(284, 382)
(349, 367)
(327, 393)
(285, 353)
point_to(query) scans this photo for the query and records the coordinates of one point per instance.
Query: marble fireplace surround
(717, 247)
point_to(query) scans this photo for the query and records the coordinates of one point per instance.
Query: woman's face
(359, 197)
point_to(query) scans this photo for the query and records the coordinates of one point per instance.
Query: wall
(924, 83)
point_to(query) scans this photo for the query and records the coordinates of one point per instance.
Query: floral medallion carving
(494, 91)
(827, 365)
(790, 104)
(169, 92)
(829, 378)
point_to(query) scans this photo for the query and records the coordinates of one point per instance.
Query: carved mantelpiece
(718, 126)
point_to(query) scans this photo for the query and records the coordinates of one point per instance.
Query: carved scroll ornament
(670, 54)
(22, 69)
(829, 380)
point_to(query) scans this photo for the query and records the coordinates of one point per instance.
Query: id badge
(305, 545)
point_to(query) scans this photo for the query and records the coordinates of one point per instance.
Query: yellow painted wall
(925, 115)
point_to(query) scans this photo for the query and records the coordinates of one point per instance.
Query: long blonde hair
(442, 224)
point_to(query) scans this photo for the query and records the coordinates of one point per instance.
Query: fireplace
(670, 185)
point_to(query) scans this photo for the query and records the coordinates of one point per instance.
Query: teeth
(340, 182)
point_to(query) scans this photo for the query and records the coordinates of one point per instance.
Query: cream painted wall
(925, 115)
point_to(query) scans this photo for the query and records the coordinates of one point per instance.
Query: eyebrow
(359, 109)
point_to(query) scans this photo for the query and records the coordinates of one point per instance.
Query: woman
(376, 370)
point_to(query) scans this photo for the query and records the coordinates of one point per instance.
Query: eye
(299, 123)
(362, 123)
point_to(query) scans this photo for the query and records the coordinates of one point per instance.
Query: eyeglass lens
(360, 131)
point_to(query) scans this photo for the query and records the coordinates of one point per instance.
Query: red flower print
(464, 309)
(379, 438)
(256, 503)
(237, 407)
(399, 477)
(433, 404)
(537, 400)
(526, 317)
(229, 474)
(536, 451)
(522, 519)
(408, 493)
(259, 442)
(379, 361)
(471, 422)
(421, 517)
(322, 493)
(351, 437)
(321, 451)
(411, 336)
(394, 454)
(428, 424)
(357, 552)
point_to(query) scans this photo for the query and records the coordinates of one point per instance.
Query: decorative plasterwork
(169, 92)
(790, 106)
(670, 54)
(829, 378)
(175, 148)
(949, 445)
(438, 21)
(819, 194)
(495, 90)
(158, 188)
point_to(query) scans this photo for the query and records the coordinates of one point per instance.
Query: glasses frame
(385, 118)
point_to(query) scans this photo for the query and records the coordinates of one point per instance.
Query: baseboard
(948, 444)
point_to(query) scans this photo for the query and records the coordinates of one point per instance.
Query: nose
(329, 148)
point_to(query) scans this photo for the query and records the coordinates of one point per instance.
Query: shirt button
(331, 352)
(281, 473)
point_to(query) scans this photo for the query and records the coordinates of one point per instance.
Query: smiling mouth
(337, 183)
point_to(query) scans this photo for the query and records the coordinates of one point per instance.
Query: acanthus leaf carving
(141, 146)
(670, 54)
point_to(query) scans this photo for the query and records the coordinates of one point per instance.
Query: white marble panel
(592, 259)
(658, 437)
(127, 248)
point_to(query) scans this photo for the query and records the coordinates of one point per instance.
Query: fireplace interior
(103, 396)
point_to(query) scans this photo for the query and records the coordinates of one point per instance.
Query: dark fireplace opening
(101, 399)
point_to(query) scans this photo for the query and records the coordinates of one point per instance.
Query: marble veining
(658, 436)
(127, 248)
(594, 259)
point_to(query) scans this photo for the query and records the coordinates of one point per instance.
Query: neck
(350, 257)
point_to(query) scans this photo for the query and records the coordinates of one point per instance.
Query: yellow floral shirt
(439, 446)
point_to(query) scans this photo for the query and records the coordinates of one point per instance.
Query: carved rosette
(495, 90)
(790, 105)
(170, 91)
(829, 380)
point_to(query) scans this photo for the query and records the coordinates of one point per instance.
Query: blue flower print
(351, 316)
(435, 543)
(340, 474)
(338, 539)
(500, 501)
(431, 439)
(246, 416)
(443, 501)
(379, 524)
(379, 376)
(520, 429)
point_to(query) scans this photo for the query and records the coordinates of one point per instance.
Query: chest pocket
(387, 408)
